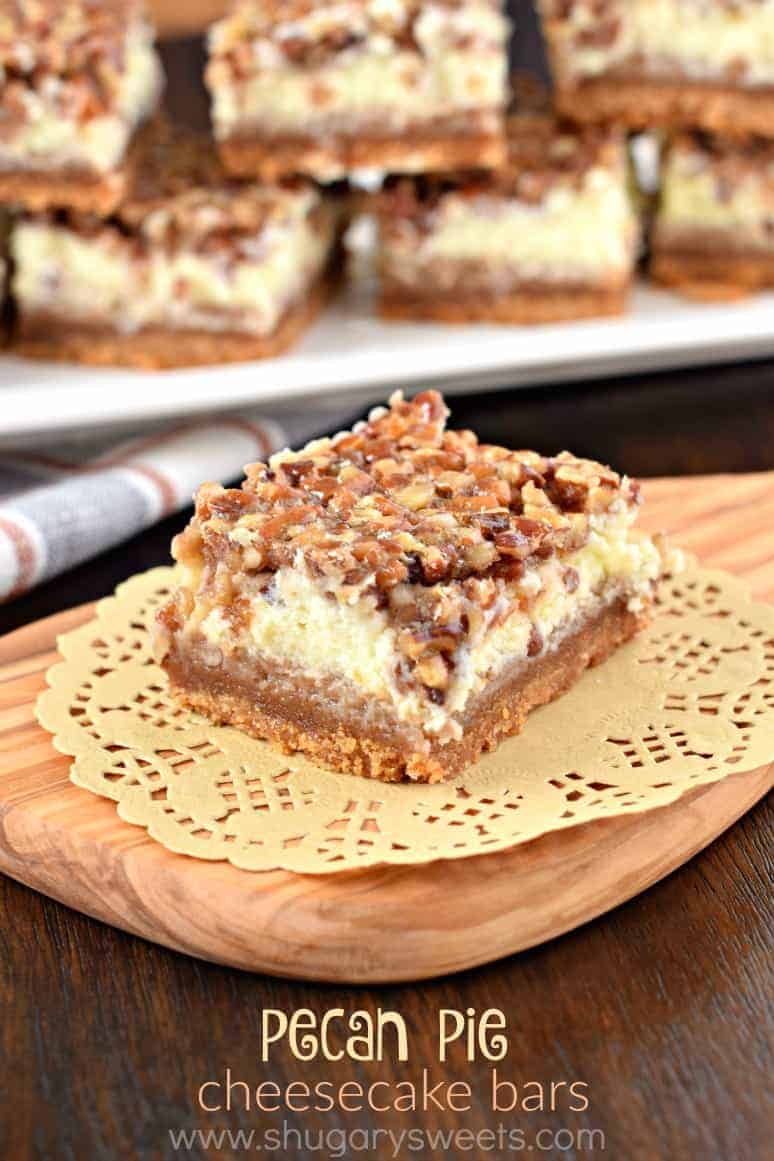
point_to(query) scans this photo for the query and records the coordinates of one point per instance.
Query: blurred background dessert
(77, 79)
(551, 235)
(236, 271)
(322, 89)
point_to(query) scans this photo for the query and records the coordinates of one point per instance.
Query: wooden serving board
(383, 924)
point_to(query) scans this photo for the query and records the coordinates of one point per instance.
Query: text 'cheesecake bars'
(553, 235)
(394, 600)
(77, 77)
(192, 267)
(327, 89)
(713, 236)
(707, 64)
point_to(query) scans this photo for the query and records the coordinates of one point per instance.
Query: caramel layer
(445, 146)
(641, 104)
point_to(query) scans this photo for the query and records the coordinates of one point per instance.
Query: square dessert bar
(713, 236)
(707, 64)
(76, 79)
(325, 89)
(553, 235)
(396, 599)
(192, 268)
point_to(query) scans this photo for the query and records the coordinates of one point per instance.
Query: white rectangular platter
(350, 352)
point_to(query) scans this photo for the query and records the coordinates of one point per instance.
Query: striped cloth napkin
(59, 507)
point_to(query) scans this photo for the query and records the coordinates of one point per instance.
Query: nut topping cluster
(302, 34)
(428, 522)
(60, 36)
(402, 500)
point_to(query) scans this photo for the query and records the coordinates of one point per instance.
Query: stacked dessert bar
(234, 270)
(702, 73)
(130, 243)
(131, 238)
(494, 203)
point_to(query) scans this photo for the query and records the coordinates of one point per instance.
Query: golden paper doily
(687, 703)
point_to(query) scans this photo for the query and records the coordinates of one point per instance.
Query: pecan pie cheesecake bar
(192, 268)
(394, 600)
(553, 235)
(713, 236)
(677, 63)
(325, 89)
(77, 77)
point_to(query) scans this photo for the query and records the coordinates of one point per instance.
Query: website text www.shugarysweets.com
(389, 1143)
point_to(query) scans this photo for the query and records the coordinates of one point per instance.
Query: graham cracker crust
(437, 150)
(51, 339)
(642, 104)
(526, 306)
(82, 192)
(295, 719)
(719, 276)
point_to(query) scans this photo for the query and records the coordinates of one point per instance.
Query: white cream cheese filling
(585, 233)
(705, 39)
(302, 626)
(49, 140)
(101, 280)
(374, 83)
(691, 199)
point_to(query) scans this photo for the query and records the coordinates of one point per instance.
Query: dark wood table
(662, 1008)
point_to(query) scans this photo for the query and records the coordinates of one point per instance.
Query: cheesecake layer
(577, 236)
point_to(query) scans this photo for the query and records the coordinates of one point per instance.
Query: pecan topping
(307, 35)
(402, 500)
(66, 36)
(428, 522)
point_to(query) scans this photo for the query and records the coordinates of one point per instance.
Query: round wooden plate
(371, 926)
